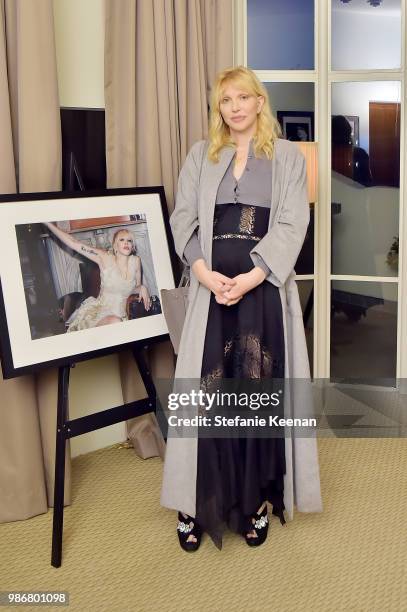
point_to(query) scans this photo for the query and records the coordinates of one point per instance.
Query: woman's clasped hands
(227, 291)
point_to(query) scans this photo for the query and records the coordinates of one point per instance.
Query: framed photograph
(81, 274)
(297, 125)
(354, 123)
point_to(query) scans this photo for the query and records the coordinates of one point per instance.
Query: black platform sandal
(260, 526)
(186, 527)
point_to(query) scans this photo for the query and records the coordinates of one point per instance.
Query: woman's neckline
(250, 154)
(115, 265)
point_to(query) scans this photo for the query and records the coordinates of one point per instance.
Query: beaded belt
(241, 236)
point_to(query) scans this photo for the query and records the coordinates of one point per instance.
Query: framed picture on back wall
(81, 274)
(297, 125)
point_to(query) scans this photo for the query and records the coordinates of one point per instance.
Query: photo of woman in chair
(120, 277)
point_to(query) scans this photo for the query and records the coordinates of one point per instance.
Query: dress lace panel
(247, 219)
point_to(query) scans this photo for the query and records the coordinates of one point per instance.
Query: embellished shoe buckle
(185, 527)
(261, 522)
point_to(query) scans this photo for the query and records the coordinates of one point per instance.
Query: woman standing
(245, 192)
(120, 276)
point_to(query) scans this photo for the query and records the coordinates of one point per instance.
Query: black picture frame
(22, 352)
(293, 121)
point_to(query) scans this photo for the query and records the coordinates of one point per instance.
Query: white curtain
(30, 153)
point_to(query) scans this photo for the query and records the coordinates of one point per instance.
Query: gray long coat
(197, 188)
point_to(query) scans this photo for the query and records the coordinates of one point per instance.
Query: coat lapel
(212, 175)
(276, 183)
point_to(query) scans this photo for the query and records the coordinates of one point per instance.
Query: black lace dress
(244, 341)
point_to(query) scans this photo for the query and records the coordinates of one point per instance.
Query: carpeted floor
(121, 551)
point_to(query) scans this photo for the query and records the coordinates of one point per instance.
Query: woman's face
(239, 110)
(123, 243)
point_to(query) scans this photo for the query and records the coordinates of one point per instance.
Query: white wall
(366, 37)
(95, 386)
(79, 38)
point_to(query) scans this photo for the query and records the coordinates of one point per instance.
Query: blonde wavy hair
(268, 128)
(115, 237)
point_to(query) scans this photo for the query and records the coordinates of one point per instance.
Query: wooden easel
(67, 429)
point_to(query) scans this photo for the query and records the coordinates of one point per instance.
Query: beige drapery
(161, 57)
(30, 153)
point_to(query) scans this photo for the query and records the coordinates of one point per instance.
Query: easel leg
(145, 372)
(59, 482)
